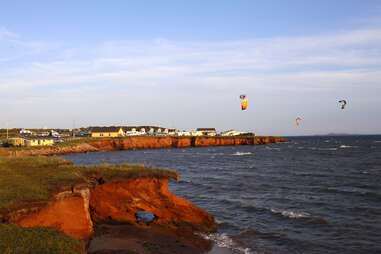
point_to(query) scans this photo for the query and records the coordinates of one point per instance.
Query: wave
(220, 222)
(328, 149)
(345, 146)
(223, 240)
(241, 153)
(291, 214)
(273, 148)
(365, 191)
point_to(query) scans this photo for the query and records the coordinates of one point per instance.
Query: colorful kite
(343, 103)
(243, 98)
(297, 121)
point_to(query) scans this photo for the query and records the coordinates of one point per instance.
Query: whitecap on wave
(224, 241)
(291, 214)
(241, 153)
(345, 146)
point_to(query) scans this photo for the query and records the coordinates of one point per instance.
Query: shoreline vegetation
(50, 205)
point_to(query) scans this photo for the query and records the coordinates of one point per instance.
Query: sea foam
(291, 214)
(241, 153)
(224, 241)
(345, 146)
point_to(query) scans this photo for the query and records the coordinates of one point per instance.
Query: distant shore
(132, 143)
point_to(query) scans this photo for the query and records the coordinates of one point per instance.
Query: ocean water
(311, 195)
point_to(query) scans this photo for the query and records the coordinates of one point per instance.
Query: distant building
(172, 132)
(39, 142)
(229, 133)
(183, 133)
(25, 132)
(134, 132)
(99, 132)
(196, 133)
(16, 142)
(54, 133)
(206, 132)
(42, 133)
(36, 141)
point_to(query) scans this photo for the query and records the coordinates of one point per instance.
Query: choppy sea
(310, 195)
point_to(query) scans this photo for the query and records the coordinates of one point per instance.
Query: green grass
(37, 240)
(33, 178)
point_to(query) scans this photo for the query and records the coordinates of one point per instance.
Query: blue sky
(184, 64)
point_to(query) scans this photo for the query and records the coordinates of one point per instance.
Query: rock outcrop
(118, 202)
(74, 211)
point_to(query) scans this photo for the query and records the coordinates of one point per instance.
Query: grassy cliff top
(24, 179)
(15, 239)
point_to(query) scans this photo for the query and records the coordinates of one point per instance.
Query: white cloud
(164, 70)
(6, 34)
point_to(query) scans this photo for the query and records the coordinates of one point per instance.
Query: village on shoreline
(20, 137)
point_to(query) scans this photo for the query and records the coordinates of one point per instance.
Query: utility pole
(73, 128)
(7, 130)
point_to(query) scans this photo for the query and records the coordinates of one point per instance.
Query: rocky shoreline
(101, 210)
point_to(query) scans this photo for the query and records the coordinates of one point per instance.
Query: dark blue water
(312, 195)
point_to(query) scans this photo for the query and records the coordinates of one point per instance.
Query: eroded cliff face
(74, 212)
(68, 212)
(118, 202)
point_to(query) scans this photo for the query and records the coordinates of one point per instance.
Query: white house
(229, 133)
(172, 132)
(183, 133)
(206, 132)
(55, 134)
(135, 133)
(196, 133)
(26, 132)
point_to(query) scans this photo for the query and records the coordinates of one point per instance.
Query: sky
(183, 64)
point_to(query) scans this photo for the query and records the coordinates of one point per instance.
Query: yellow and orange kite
(243, 98)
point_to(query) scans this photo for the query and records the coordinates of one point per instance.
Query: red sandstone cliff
(74, 212)
(131, 143)
(118, 202)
